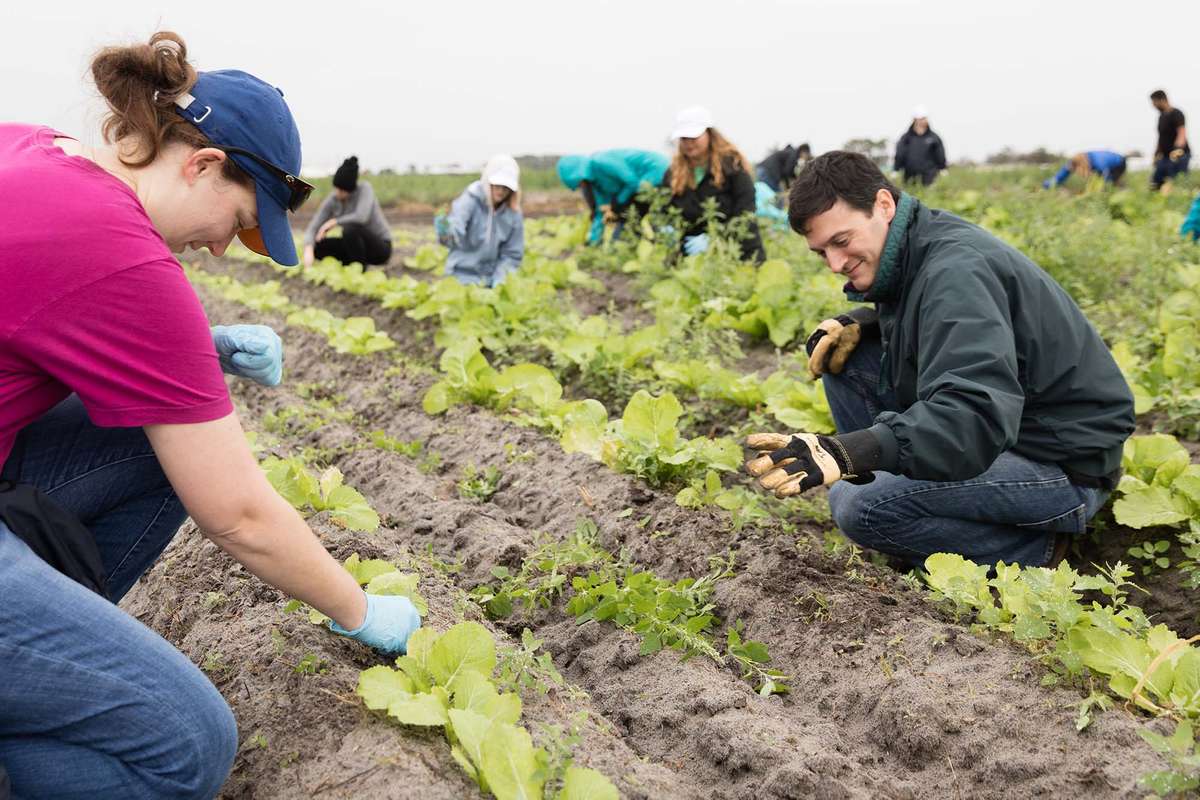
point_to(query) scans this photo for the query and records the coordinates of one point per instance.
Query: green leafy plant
(646, 442)
(1179, 749)
(1160, 485)
(1151, 555)
(428, 258)
(664, 614)
(1148, 665)
(384, 442)
(446, 680)
(326, 492)
(354, 335)
(478, 485)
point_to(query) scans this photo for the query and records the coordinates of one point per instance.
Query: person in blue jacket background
(485, 230)
(1106, 163)
(611, 178)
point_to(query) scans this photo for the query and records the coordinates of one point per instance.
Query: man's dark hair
(804, 150)
(1158, 94)
(836, 175)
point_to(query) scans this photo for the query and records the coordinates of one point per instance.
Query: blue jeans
(92, 703)
(1165, 169)
(1011, 512)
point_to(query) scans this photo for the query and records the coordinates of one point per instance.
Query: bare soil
(890, 698)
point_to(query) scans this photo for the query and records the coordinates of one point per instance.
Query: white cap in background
(502, 170)
(691, 122)
(920, 112)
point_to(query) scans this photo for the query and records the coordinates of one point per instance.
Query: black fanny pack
(54, 534)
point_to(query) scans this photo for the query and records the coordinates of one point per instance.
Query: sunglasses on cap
(298, 189)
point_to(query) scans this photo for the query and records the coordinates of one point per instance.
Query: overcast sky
(406, 82)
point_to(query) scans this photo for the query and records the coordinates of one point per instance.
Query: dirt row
(889, 698)
(1167, 600)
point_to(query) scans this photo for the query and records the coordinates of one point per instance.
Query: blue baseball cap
(250, 121)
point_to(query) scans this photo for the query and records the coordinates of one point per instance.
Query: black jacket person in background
(779, 169)
(920, 155)
(979, 414)
(1171, 150)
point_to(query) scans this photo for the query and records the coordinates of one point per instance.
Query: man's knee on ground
(845, 506)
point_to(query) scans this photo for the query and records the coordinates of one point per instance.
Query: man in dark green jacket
(978, 411)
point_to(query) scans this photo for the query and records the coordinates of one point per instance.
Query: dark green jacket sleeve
(969, 395)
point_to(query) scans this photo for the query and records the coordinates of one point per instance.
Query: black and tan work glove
(835, 339)
(791, 464)
(1176, 154)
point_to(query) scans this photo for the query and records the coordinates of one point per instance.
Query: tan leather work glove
(789, 465)
(834, 340)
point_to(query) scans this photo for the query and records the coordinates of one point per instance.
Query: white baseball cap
(502, 170)
(920, 112)
(691, 122)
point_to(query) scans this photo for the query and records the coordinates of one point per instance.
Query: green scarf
(887, 278)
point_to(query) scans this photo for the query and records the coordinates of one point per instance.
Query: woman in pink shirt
(115, 416)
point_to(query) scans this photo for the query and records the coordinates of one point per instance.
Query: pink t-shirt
(91, 299)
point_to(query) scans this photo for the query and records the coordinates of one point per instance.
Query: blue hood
(572, 170)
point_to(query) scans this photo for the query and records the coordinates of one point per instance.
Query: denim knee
(202, 753)
(845, 506)
(214, 748)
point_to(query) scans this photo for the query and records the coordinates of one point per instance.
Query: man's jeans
(1165, 169)
(92, 703)
(1010, 512)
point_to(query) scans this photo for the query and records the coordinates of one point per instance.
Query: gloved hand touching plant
(390, 620)
(441, 226)
(694, 245)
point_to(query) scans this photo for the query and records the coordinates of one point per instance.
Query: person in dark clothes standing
(707, 165)
(978, 411)
(1171, 151)
(366, 237)
(920, 155)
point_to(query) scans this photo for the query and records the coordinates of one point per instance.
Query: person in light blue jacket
(484, 229)
(1105, 163)
(610, 181)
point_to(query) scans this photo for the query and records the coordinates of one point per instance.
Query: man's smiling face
(851, 241)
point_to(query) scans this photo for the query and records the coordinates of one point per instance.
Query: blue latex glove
(694, 245)
(1192, 223)
(390, 620)
(250, 351)
(441, 226)
(1046, 183)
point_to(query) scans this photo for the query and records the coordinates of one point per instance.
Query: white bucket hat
(503, 170)
(691, 122)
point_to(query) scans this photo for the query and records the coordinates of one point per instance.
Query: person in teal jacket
(611, 178)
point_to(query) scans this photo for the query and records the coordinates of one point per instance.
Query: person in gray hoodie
(484, 229)
(366, 236)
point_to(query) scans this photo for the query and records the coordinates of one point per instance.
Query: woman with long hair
(116, 424)
(707, 165)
